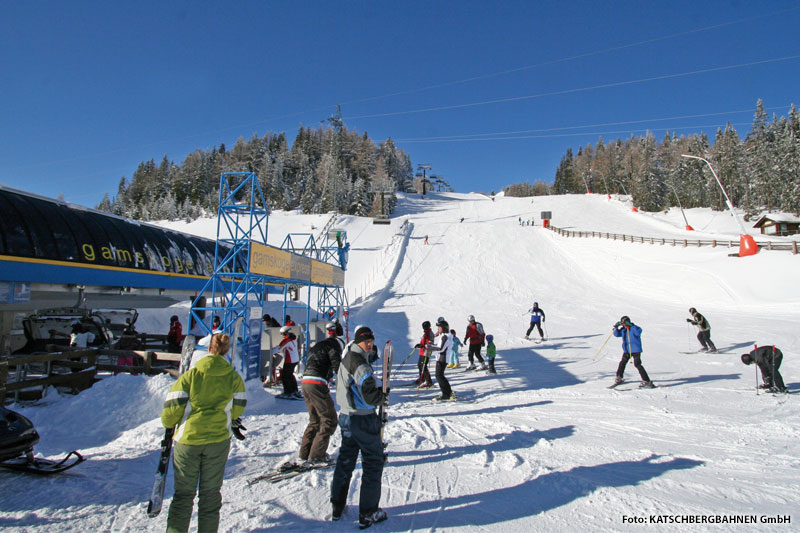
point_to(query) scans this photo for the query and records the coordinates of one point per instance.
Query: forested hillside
(325, 169)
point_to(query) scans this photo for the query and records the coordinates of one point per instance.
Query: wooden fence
(686, 243)
(26, 377)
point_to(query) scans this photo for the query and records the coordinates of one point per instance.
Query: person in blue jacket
(631, 335)
(537, 319)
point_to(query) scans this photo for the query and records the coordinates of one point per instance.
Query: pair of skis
(288, 471)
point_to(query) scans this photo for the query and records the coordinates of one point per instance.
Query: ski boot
(367, 519)
(647, 385)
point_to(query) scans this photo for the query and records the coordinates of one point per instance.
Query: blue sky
(90, 89)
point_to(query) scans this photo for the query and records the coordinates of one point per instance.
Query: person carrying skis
(537, 319)
(442, 351)
(704, 333)
(768, 359)
(291, 356)
(359, 395)
(205, 402)
(424, 380)
(322, 364)
(491, 353)
(454, 351)
(631, 335)
(477, 339)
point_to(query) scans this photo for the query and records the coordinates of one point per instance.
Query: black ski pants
(538, 325)
(360, 433)
(288, 379)
(474, 351)
(705, 339)
(769, 370)
(637, 362)
(441, 380)
(424, 373)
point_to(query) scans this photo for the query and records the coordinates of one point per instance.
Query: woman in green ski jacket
(202, 404)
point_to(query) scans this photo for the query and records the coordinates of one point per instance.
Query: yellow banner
(269, 261)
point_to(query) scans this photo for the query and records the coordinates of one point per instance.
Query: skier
(288, 349)
(477, 339)
(289, 321)
(491, 353)
(454, 351)
(537, 319)
(442, 351)
(426, 239)
(323, 363)
(175, 335)
(631, 348)
(205, 403)
(768, 359)
(358, 395)
(216, 324)
(704, 335)
(424, 380)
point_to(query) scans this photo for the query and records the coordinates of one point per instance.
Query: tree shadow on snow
(696, 379)
(502, 442)
(539, 495)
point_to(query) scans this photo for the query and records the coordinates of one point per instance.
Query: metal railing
(685, 243)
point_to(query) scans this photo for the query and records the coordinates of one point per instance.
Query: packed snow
(541, 446)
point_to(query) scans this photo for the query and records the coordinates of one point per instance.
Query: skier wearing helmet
(291, 356)
(631, 335)
(476, 337)
(442, 351)
(323, 363)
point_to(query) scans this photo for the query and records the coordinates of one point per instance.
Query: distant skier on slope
(537, 319)
(631, 335)
(442, 351)
(477, 338)
(704, 335)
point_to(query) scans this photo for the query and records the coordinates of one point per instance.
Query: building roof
(777, 218)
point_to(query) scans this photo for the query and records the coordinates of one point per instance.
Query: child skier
(491, 353)
(454, 351)
(424, 380)
(631, 335)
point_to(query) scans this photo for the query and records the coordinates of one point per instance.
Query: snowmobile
(17, 439)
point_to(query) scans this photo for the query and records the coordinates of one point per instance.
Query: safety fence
(26, 377)
(685, 243)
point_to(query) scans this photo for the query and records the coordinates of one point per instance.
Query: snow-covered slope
(542, 446)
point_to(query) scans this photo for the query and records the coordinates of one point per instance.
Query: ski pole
(546, 334)
(406, 359)
(756, 369)
(603, 346)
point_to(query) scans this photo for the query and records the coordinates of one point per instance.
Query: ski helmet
(426, 325)
(746, 359)
(536, 304)
(625, 319)
(330, 326)
(471, 318)
(489, 338)
(285, 329)
(692, 310)
(444, 325)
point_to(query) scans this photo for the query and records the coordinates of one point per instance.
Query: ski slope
(541, 446)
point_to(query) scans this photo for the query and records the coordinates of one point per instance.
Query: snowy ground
(542, 446)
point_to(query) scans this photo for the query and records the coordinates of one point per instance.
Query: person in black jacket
(768, 359)
(704, 333)
(323, 363)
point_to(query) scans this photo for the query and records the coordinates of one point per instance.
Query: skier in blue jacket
(537, 319)
(631, 335)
